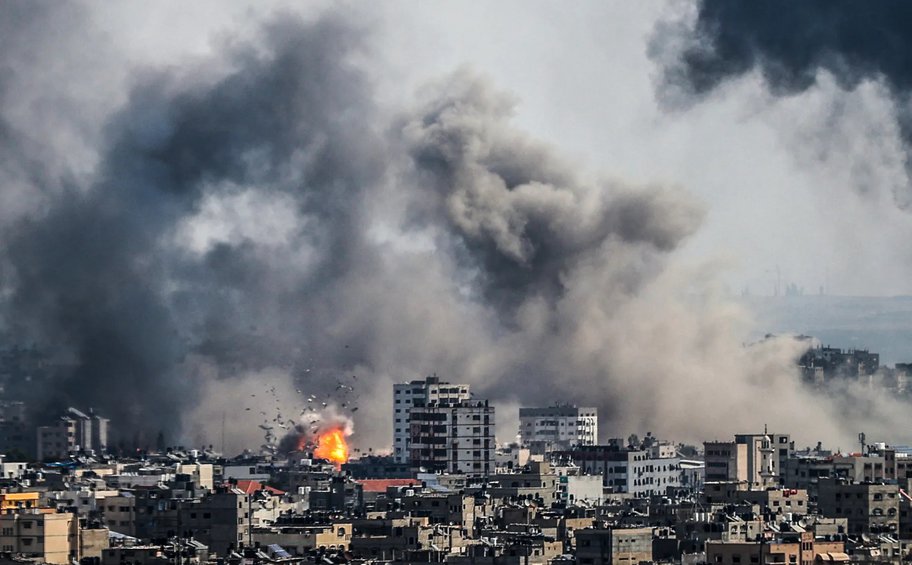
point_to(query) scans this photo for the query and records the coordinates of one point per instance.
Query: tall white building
(557, 428)
(453, 437)
(419, 393)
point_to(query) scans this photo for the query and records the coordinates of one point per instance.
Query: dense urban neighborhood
(514, 282)
(448, 492)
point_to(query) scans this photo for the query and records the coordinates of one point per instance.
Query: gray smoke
(254, 231)
(96, 274)
(794, 46)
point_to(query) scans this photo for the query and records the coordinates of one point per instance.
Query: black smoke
(791, 41)
(95, 274)
(257, 237)
(790, 44)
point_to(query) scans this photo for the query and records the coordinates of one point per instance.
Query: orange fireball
(331, 445)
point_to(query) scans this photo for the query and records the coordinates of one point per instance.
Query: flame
(331, 445)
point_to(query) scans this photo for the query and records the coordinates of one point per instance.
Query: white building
(576, 487)
(419, 393)
(12, 469)
(643, 472)
(557, 428)
(453, 437)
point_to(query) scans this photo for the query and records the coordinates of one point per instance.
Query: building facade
(556, 428)
(869, 508)
(453, 437)
(419, 393)
(74, 431)
(625, 470)
(48, 536)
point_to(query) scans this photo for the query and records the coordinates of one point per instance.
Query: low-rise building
(43, 534)
(869, 508)
(613, 546)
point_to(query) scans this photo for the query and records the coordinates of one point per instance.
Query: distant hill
(879, 324)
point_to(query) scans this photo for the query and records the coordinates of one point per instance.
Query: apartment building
(42, 534)
(637, 471)
(613, 546)
(868, 507)
(74, 431)
(419, 393)
(756, 460)
(559, 427)
(453, 437)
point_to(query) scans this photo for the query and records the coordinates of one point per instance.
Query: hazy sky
(799, 185)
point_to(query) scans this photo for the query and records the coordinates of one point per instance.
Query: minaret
(767, 473)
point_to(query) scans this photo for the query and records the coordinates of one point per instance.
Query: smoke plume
(794, 46)
(253, 233)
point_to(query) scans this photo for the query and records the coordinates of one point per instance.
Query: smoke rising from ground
(265, 224)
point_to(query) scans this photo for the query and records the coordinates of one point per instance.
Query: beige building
(120, 513)
(726, 461)
(754, 459)
(613, 546)
(42, 534)
(869, 508)
(798, 549)
(298, 540)
(201, 473)
(779, 501)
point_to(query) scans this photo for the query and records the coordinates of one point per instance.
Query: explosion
(331, 445)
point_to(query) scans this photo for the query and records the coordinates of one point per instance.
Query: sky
(798, 188)
(199, 201)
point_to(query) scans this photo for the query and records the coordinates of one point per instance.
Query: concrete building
(16, 435)
(725, 461)
(625, 470)
(456, 437)
(869, 508)
(57, 440)
(221, 520)
(42, 534)
(557, 428)
(72, 432)
(200, 473)
(12, 469)
(13, 501)
(613, 546)
(536, 481)
(792, 548)
(757, 460)
(299, 539)
(419, 393)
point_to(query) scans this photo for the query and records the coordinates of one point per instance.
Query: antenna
(861, 440)
(223, 432)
